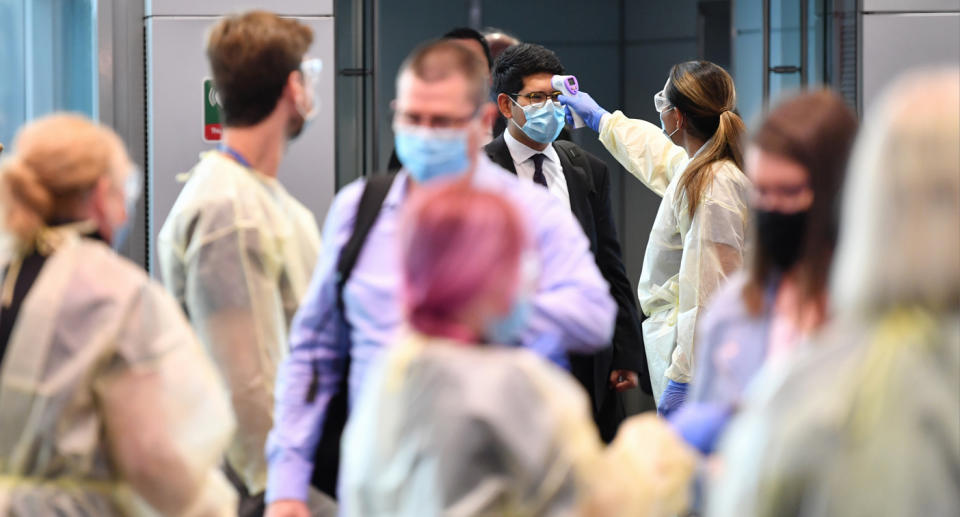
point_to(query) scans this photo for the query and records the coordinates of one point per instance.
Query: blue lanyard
(234, 154)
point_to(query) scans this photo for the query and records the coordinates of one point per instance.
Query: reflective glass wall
(49, 60)
(786, 69)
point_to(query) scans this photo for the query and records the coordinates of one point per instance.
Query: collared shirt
(573, 310)
(552, 169)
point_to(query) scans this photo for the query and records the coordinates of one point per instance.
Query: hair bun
(28, 202)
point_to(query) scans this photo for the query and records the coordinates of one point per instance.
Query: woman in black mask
(796, 161)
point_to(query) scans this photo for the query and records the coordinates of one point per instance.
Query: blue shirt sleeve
(317, 341)
(573, 304)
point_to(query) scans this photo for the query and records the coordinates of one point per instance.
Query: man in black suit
(521, 80)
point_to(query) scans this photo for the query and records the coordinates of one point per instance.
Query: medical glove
(701, 424)
(586, 107)
(673, 397)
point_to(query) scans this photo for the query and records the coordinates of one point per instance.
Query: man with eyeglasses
(351, 314)
(529, 148)
(237, 250)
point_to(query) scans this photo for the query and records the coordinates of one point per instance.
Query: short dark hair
(521, 61)
(438, 59)
(251, 56)
(468, 33)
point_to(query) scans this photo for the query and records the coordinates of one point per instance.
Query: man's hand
(623, 380)
(287, 508)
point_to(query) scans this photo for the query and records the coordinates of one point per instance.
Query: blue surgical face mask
(543, 123)
(506, 329)
(132, 187)
(430, 153)
(120, 235)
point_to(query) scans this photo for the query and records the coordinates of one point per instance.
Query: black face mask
(781, 236)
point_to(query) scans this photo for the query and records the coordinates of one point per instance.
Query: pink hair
(456, 238)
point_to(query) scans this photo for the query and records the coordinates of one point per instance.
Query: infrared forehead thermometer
(569, 86)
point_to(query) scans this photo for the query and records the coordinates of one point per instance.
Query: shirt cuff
(288, 477)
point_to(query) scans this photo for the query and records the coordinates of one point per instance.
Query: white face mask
(310, 71)
(663, 125)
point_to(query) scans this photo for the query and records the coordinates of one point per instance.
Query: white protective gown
(459, 430)
(686, 259)
(237, 251)
(866, 423)
(109, 405)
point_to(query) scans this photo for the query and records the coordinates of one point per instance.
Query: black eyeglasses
(538, 99)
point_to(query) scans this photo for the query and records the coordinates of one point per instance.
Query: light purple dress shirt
(573, 310)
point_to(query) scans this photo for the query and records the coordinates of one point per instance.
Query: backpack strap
(326, 463)
(371, 201)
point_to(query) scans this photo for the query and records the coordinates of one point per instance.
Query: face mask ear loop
(304, 112)
(670, 135)
(514, 119)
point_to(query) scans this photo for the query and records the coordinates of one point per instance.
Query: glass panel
(785, 50)
(747, 68)
(51, 65)
(816, 43)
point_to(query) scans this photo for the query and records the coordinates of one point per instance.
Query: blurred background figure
(868, 423)
(498, 40)
(473, 41)
(694, 162)
(109, 405)
(477, 44)
(796, 160)
(449, 423)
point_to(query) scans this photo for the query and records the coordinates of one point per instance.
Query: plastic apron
(94, 339)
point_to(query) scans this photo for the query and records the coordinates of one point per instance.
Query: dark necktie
(538, 176)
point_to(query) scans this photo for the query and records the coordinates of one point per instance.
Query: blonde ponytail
(27, 204)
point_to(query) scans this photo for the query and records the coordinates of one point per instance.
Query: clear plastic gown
(867, 423)
(448, 429)
(237, 251)
(109, 405)
(687, 258)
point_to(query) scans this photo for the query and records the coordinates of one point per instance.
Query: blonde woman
(694, 161)
(867, 422)
(109, 405)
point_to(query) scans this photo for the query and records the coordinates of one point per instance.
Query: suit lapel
(499, 154)
(578, 188)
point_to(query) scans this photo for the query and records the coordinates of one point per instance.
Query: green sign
(212, 129)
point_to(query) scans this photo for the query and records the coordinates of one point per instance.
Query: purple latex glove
(585, 106)
(673, 397)
(701, 424)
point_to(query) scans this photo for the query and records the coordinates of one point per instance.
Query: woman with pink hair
(451, 423)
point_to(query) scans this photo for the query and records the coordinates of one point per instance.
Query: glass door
(49, 60)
